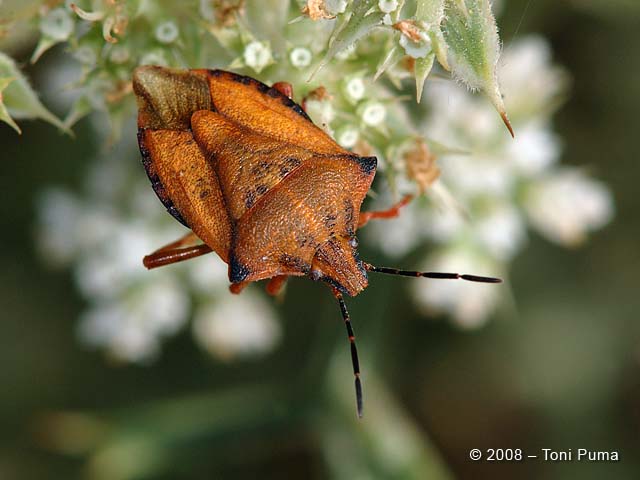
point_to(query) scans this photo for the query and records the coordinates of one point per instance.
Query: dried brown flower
(421, 165)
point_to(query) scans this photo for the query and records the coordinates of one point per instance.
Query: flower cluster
(105, 232)
(346, 61)
(495, 186)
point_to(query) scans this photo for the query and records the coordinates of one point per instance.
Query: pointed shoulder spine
(262, 88)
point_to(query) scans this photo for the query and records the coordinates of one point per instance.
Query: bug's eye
(353, 242)
(315, 275)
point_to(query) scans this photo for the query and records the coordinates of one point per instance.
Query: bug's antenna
(354, 351)
(452, 276)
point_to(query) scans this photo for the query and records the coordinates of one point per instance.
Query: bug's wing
(247, 164)
(168, 97)
(181, 176)
(266, 111)
(317, 202)
(190, 181)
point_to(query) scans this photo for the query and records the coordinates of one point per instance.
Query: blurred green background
(562, 373)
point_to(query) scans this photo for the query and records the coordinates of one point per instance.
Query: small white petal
(237, 325)
(416, 49)
(478, 174)
(85, 55)
(567, 205)
(300, 57)
(335, 7)
(373, 113)
(443, 225)
(469, 304)
(58, 214)
(502, 231)
(164, 305)
(57, 24)
(529, 81)
(208, 274)
(114, 328)
(257, 55)
(167, 32)
(154, 58)
(347, 136)
(119, 54)
(207, 10)
(354, 89)
(396, 236)
(387, 6)
(321, 112)
(534, 149)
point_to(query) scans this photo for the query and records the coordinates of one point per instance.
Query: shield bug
(245, 169)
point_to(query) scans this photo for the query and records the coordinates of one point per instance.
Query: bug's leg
(392, 212)
(284, 88)
(275, 285)
(441, 275)
(354, 352)
(236, 288)
(183, 249)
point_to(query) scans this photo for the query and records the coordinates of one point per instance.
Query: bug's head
(337, 263)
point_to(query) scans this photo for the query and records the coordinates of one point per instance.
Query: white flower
(444, 224)
(459, 119)
(335, 7)
(57, 24)
(469, 303)
(397, 236)
(501, 231)
(236, 325)
(347, 136)
(85, 55)
(164, 303)
(208, 274)
(321, 112)
(116, 261)
(110, 326)
(373, 113)
(354, 89)
(207, 10)
(58, 213)
(167, 32)
(300, 57)
(528, 79)
(257, 55)
(387, 6)
(534, 149)
(131, 329)
(565, 206)
(119, 54)
(155, 57)
(418, 49)
(477, 175)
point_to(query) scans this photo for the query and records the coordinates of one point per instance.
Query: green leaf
(4, 114)
(422, 68)
(394, 56)
(474, 48)
(44, 44)
(81, 107)
(357, 26)
(431, 14)
(18, 98)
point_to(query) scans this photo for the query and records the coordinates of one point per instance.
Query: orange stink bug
(242, 165)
